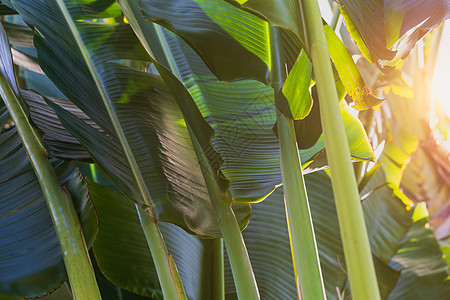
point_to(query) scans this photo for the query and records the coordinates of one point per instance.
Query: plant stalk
(175, 278)
(242, 270)
(165, 266)
(301, 230)
(218, 269)
(63, 214)
(241, 267)
(362, 277)
(336, 15)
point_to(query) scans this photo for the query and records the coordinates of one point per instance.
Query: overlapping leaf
(149, 117)
(425, 273)
(242, 114)
(219, 23)
(389, 224)
(233, 43)
(130, 265)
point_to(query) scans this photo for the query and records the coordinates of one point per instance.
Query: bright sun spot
(441, 79)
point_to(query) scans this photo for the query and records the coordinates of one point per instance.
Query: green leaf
(282, 13)
(348, 72)
(26, 226)
(130, 265)
(242, 114)
(294, 99)
(58, 141)
(109, 290)
(213, 17)
(232, 42)
(425, 273)
(267, 240)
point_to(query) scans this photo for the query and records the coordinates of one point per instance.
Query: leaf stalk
(59, 203)
(164, 264)
(159, 243)
(301, 230)
(355, 239)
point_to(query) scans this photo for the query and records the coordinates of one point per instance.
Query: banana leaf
(242, 114)
(163, 151)
(130, 265)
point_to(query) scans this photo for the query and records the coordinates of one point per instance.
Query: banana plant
(289, 18)
(186, 120)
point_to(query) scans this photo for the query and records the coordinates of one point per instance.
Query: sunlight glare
(441, 78)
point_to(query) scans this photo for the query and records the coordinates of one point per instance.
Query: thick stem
(301, 232)
(63, 214)
(244, 279)
(363, 281)
(165, 266)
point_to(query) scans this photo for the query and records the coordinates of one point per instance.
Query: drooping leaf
(217, 16)
(59, 142)
(109, 290)
(242, 114)
(281, 13)
(163, 152)
(30, 254)
(130, 264)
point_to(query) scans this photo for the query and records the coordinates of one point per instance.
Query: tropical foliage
(193, 149)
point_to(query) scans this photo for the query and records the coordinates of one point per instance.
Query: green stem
(355, 239)
(213, 275)
(218, 270)
(242, 270)
(175, 278)
(165, 266)
(301, 232)
(63, 214)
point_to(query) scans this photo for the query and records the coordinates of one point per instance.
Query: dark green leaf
(122, 252)
(425, 273)
(162, 150)
(30, 255)
(232, 42)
